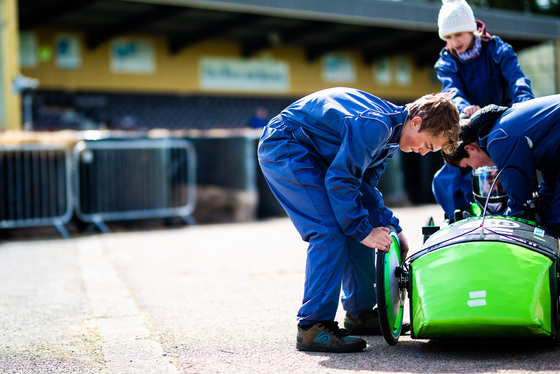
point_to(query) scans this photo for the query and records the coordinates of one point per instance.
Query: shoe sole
(346, 348)
(369, 331)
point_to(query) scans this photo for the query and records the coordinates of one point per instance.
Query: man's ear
(472, 147)
(416, 121)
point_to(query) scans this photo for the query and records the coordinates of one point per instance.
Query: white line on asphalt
(128, 346)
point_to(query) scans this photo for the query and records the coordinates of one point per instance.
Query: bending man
(519, 141)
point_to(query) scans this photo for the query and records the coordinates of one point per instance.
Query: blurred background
(118, 111)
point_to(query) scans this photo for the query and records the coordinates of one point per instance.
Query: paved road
(204, 299)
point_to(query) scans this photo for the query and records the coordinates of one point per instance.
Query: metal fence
(35, 186)
(134, 179)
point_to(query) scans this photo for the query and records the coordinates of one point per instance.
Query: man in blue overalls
(322, 157)
(519, 141)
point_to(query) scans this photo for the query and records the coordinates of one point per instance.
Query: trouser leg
(359, 292)
(452, 189)
(358, 283)
(296, 177)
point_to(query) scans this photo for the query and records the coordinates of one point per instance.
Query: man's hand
(378, 238)
(470, 110)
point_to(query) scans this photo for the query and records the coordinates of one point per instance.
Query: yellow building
(91, 57)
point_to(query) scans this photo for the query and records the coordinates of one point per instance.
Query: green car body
(494, 277)
(481, 289)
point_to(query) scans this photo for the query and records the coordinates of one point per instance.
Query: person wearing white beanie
(455, 16)
(478, 70)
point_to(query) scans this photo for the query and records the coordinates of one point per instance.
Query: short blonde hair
(440, 117)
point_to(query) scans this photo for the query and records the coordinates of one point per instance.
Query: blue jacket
(494, 77)
(524, 139)
(355, 134)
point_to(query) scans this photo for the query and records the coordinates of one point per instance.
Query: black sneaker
(364, 324)
(326, 336)
(405, 329)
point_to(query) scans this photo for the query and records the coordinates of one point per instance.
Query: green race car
(487, 277)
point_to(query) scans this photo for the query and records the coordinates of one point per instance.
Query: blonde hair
(440, 117)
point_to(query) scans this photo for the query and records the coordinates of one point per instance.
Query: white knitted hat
(455, 16)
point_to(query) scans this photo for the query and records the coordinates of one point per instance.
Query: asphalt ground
(201, 299)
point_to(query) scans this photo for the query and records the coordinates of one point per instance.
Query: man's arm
(513, 157)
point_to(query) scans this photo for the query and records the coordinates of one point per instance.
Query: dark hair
(440, 117)
(467, 135)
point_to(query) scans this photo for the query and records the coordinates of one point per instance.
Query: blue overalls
(524, 139)
(494, 77)
(322, 157)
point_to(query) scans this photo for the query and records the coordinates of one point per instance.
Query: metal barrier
(134, 179)
(35, 186)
